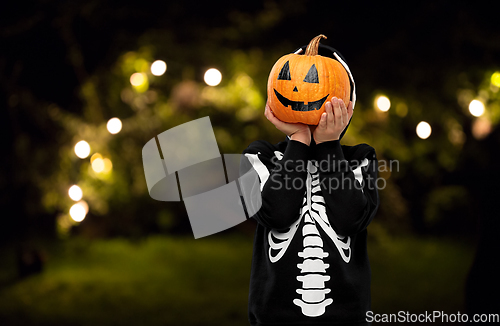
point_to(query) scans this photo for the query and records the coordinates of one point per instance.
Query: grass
(182, 281)
(418, 275)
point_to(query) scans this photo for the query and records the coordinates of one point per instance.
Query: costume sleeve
(282, 181)
(349, 188)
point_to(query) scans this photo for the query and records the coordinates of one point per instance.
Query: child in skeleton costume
(310, 263)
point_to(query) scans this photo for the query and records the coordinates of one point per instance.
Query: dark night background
(64, 72)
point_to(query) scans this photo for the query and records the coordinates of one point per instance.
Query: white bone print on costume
(314, 301)
(259, 167)
(357, 172)
(313, 291)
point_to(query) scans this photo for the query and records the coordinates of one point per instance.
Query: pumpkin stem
(312, 48)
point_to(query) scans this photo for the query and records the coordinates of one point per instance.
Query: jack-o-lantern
(300, 85)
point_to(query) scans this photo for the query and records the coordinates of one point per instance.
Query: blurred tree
(67, 67)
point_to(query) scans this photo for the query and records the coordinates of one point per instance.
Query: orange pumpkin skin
(332, 80)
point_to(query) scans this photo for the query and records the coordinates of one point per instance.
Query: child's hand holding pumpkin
(296, 131)
(333, 121)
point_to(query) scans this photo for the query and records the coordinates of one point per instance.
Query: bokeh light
(108, 166)
(75, 193)
(158, 67)
(98, 165)
(495, 79)
(476, 108)
(85, 206)
(383, 103)
(95, 156)
(78, 211)
(82, 149)
(481, 128)
(213, 77)
(138, 79)
(424, 130)
(114, 125)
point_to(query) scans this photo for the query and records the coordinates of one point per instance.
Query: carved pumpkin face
(300, 85)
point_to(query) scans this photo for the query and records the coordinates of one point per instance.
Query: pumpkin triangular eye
(285, 72)
(312, 75)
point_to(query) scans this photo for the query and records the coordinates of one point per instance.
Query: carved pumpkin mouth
(300, 106)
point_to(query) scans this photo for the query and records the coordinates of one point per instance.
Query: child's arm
(349, 188)
(351, 195)
(282, 180)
